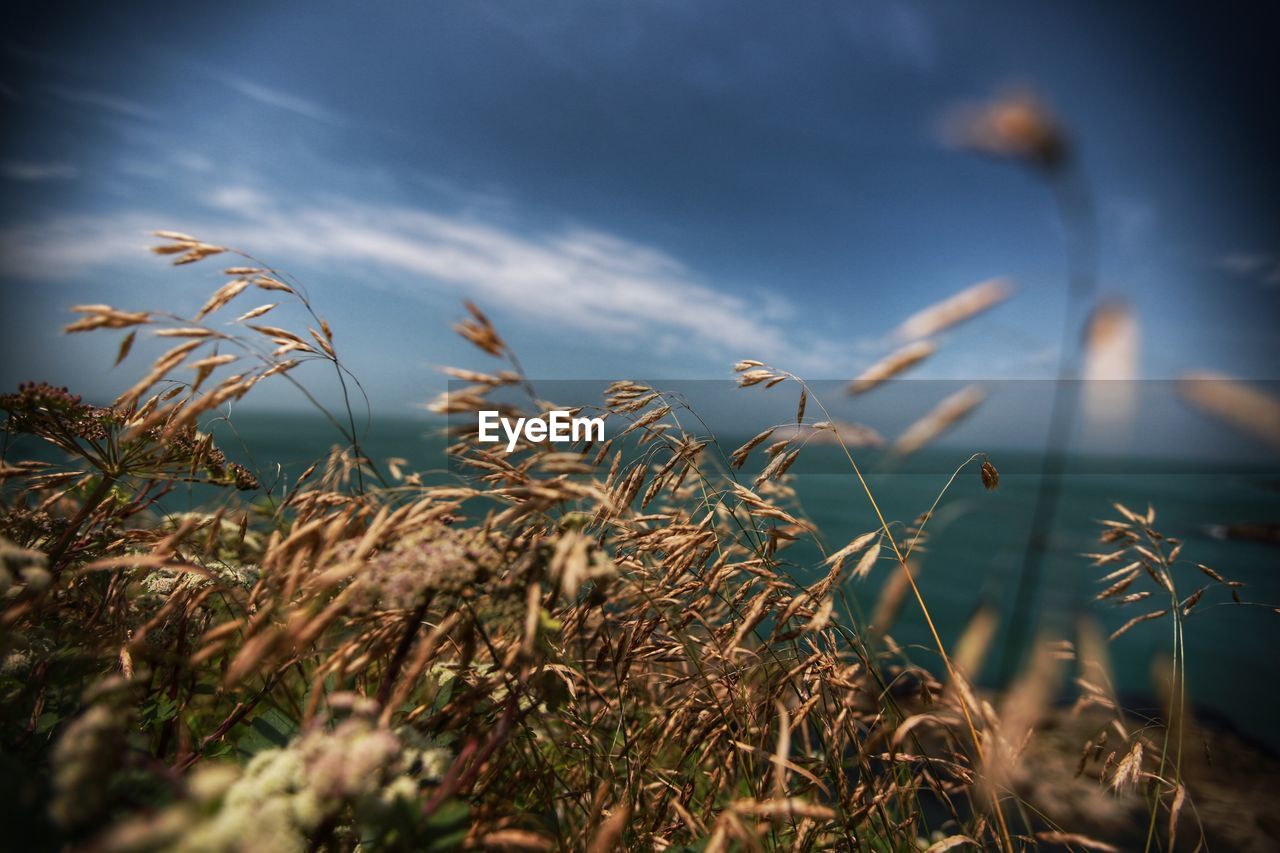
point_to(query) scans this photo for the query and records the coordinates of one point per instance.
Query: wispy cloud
(1242, 263)
(104, 101)
(568, 281)
(67, 247)
(1257, 266)
(574, 279)
(280, 100)
(29, 171)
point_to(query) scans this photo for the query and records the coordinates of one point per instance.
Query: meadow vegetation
(585, 647)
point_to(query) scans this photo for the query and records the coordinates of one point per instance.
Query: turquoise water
(976, 547)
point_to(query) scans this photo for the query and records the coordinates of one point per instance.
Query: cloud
(1263, 268)
(67, 247)
(571, 280)
(1242, 263)
(105, 102)
(27, 171)
(193, 161)
(280, 100)
(575, 279)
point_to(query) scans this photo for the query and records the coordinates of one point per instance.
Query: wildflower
(437, 560)
(284, 795)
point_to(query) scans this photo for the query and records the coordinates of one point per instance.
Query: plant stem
(73, 527)
(1075, 210)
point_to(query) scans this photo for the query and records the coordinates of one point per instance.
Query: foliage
(584, 649)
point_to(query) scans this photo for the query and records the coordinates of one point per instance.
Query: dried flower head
(440, 559)
(990, 476)
(1016, 125)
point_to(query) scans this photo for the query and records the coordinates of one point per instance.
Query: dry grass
(1248, 409)
(895, 363)
(946, 414)
(590, 648)
(955, 309)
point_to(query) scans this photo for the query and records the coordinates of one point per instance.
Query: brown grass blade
(955, 309)
(1137, 620)
(1233, 402)
(941, 418)
(891, 365)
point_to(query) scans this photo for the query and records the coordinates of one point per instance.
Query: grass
(589, 648)
(568, 649)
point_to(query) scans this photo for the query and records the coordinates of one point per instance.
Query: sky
(651, 189)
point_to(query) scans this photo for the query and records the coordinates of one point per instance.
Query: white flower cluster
(354, 772)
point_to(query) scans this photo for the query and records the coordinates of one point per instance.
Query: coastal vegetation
(594, 645)
(565, 647)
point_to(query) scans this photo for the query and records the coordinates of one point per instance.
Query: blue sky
(645, 189)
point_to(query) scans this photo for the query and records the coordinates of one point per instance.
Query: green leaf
(447, 827)
(47, 721)
(270, 729)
